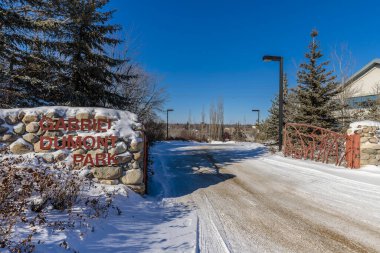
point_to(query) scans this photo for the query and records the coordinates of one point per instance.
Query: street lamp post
(167, 122)
(258, 115)
(280, 59)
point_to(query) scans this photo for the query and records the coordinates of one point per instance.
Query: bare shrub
(24, 188)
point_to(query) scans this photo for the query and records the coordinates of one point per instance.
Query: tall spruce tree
(16, 24)
(24, 60)
(89, 74)
(271, 123)
(316, 89)
(62, 52)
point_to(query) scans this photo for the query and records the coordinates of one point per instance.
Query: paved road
(250, 201)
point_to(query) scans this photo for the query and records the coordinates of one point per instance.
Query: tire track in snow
(277, 207)
(335, 239)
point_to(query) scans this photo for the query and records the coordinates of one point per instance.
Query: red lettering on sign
(101, 158)
(78, 158)
(73, 124)
(44, 139)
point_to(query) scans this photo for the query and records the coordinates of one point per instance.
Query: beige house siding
(367, 84)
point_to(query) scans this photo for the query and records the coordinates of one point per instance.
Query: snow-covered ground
(116, 219)
(247, 200)
(138, 225)
(233, 197)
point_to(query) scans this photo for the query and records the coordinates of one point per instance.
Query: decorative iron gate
(303, 141)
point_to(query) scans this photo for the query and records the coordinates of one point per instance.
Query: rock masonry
(20, 132)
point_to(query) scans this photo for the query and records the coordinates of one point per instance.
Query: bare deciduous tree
(203, 124)
(343, 64)
(373, 111)
(216, 121)
(143, 93)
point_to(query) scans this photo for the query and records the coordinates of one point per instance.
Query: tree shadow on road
(225, 156)
(181, 168)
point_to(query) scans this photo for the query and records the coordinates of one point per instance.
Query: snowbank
(358, 124)
(123, 120)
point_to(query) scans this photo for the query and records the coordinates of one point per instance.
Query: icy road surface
(247, 200)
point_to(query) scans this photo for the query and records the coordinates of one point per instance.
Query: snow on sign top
(356, 124)
(121, 120)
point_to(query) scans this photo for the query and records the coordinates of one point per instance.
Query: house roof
(363, 70)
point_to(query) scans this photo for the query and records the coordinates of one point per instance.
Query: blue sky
(203, 50)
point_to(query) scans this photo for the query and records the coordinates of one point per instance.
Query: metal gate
(303, 141)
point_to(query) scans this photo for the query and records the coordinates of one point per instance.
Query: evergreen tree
(316, 89)
(238, 133)
(271, 123)
(16, 24)
(25, 75)
(89, 75)
(63, 52)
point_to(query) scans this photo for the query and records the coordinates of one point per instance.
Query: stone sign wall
(109, 143)
(369, 141)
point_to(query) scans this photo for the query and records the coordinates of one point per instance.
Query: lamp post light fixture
(167, 122)
(268, 58)
(258, 115)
